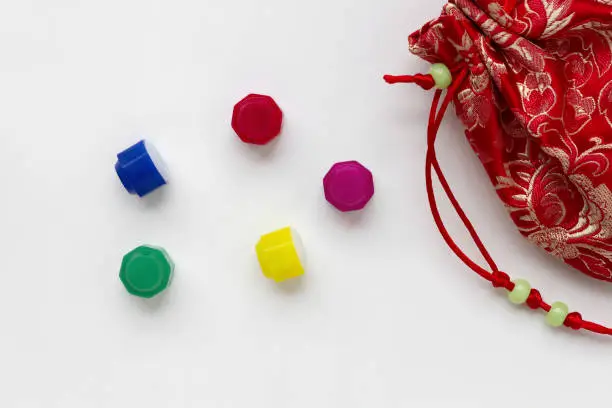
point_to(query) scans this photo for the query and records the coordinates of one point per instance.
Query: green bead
(441, 75)
(146, 271)
(557, 315)
(520, 293)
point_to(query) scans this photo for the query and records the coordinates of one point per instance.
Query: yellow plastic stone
(441, 75)
(557, 315)
(280, 255)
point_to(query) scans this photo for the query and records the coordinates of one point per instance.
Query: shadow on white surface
(353, 219)
(259, 153)
(156, 199)
(290, 287)
(153, 305)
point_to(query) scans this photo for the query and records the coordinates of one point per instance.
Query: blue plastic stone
(138, 168)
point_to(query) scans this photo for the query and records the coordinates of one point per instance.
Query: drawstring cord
(435, 120)
(424, 81)
(498, 278)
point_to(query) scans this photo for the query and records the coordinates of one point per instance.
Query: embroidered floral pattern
(537, 107)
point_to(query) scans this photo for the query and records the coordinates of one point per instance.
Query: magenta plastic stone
(348, 186)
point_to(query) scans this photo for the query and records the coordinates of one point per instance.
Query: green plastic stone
(557, 315)
(520, 293)
(146, 271)
(441, 75)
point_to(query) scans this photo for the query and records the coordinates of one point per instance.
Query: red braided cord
(424, 81)
(498, 278)
(433, 161)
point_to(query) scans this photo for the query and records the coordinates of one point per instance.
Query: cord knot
(534, 301)
(501, 280)
(574, 321)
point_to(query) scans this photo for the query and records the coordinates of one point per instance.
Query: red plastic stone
(349, 186)
(257, 119)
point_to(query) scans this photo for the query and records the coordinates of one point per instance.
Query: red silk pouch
(532, 83)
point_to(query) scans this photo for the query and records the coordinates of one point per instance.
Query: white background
(386, 316)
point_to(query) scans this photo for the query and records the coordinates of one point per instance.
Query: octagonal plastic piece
(141, 169)
(349, 186)
(146, 271)
(281, 255)
(257, 119)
